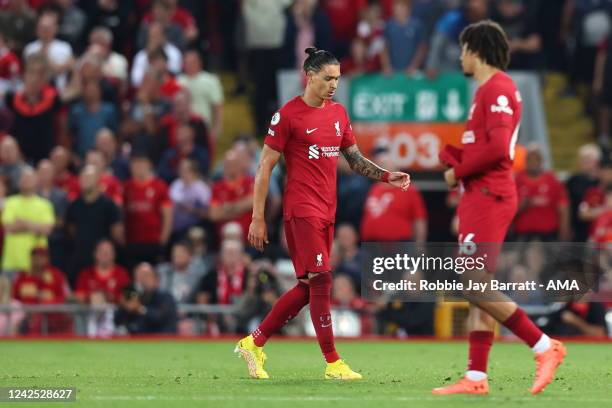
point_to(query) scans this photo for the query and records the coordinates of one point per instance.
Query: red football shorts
(309, 241)
(484, 219)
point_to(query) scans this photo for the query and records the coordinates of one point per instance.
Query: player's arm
(478, 160)
(258, 235)
(367, 168)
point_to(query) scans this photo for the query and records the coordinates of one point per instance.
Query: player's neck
(313, 100)
(483, 73)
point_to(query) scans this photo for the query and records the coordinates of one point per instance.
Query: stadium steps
(568, 125)
(237, 117)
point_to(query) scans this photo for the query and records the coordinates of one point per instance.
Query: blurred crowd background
(130, 132)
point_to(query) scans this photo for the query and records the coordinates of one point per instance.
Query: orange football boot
(546, 365)
(464, 386)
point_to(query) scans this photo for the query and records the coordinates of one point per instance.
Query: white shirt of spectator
(264, 23)
(58, 53)
(141, 63)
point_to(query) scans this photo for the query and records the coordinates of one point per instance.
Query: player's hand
(399, 179)
(449, 177)
(258, 234)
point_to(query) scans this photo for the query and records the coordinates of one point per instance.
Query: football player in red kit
(310, 131)
(484, 168)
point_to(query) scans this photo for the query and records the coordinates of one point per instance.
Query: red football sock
(320, 313)
(520, 324)
(285, 308)
(480, 345)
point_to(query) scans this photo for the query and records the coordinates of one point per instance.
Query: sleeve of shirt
(499, 109)
(164, 197)
(279, 131)
(8, 213)
(216, 91)
(562, 198)
(46, 216)
(348, 139)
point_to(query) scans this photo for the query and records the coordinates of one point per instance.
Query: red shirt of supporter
(10, 66)
(180, 17)
(311, 140)
(110, 282)
(602, 228)
(48, 287)
(389, 213)
(545, 194)
(112, 187)
(227, 191)
(344, 14)
(144, 203)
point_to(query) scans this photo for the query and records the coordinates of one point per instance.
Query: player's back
(311, 140)
(497, 104)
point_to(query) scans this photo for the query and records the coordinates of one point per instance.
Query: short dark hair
(317, 59)
(489, 41)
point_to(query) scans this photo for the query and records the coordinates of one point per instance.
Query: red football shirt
(10, 66)
(497, 104)
(69, 183)
(143, 210)
(344, 14)
(89, 281)
(112, 187)
(546, 193)
(602, 228)
(224, 191)
(311, 140)
(389, 213)
(48, 288)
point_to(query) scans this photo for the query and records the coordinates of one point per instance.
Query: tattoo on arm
(361, 165)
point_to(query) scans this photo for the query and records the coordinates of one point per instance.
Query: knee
(320, 283)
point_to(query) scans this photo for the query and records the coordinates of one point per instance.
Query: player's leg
(285, 308)
(481, 328)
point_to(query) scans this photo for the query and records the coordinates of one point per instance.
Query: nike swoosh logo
(309, 131)
(326, 325)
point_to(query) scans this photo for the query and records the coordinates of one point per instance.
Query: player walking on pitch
(489, 203)
(311, 131)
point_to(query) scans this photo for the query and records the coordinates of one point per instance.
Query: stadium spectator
(161, 13)
(59, 200)
(18, 22)
(264, 24)
(106, 143)
(58, 52)
(35, 109)
(593, 201)
(90, 218)
(72, 22)
(358, 61)
(232, 195)
(344, 14)
(156, 40)
(350, 310)
(371, 32)
(179, 16)
(519, 21)
(114, 65)
(185, 148)
(581, 318)
(10, 67)
(405, 42)
(307, 25)
(602, 88)
(190, 197)
(350, 256)
(11, 164)
(391, 214)
(148, 213)
(64, 178)
(352, 194)
(182, 274)
(601, 232)
(261, 291)
(104, 276)
(88, 116)
(225, 284)
(444, 49)
(183, 115)
(206, 92)
(117, 16)
(149, 310)
(109, 184)
(543, 212)
(27, 220)
(589, 158)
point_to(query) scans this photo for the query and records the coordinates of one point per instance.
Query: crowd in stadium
(110, 121)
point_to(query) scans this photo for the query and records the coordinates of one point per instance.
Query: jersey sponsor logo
(337, 126)
(313, 152)
(309, 131)
(468, 137)
(502, 105)
(316, 152)
(275, 119)
(320, 259)
(270, 132)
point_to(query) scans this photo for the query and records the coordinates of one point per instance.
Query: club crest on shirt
(320, 259)
(502, 105)
(337, 125)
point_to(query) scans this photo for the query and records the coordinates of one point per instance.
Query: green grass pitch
(207, 374)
